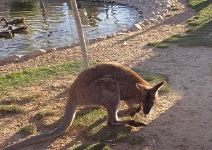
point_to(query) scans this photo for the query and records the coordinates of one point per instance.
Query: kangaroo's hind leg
(107, 94)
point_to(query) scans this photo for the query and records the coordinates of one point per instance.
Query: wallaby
(102, 85)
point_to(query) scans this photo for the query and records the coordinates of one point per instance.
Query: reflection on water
(52, 24)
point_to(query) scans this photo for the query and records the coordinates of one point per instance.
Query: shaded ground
(182, 118)
(186, 125)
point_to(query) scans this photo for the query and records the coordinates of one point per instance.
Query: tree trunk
(80, 32)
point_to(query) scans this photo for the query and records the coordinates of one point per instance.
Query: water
(56, 27)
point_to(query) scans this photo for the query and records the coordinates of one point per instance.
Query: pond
(54, 26)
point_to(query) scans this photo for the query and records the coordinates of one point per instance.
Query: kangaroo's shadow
(99, 132)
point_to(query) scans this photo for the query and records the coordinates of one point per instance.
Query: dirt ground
(184, 120)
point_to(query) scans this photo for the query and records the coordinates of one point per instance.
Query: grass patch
(11, 109)
(93, 127)
(154, 78)
(152, 44)
(87, 117)
(8, 100)
(114, 134)
(90, 122)
(158, 44)
(49, 121)
(95, 146)
(162, 45)
(200, 32)
(30, 98)
(193, 23)
(201, 36)
(19, 100)
(37, 75)
(198, 4)
(28, 130)
(44, 113)
(173, 38)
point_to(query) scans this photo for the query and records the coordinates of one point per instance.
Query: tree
(80, 32)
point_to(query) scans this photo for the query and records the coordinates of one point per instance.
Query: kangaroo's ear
(141, 87)
(157, 87)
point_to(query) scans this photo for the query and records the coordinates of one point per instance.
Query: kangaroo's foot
(117, 123)
(126, 122)
(135, 123)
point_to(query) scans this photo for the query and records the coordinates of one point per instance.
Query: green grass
(37, 75)
(154, 78)
(173, 38)
(11, 109)
(90, 122)
(28, 129)
(30, 98)
(19, 100)
(161, 45)
(87, 117)
(200, 32)
(198, 4)
(93, 127)
(95, 146)
(153, 43)
(157, 44)
(44, 113)
(104, 133)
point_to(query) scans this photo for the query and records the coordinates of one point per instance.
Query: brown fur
(103, 85)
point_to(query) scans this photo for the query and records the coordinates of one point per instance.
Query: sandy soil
(182, 119)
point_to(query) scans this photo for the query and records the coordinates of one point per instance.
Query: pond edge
(154, 12)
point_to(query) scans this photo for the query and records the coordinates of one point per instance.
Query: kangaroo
(102, 85)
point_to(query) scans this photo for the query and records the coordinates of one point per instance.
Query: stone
(10, 59)
(142, 25)
(125, 43)
(165, 11)
(91, 41)
(168, 7)
(33, 54)
(121, 33)
(153, 13)
(100, 38)
(72, 45)
(159, 17)
(63, 48)
(113, 34)
(51, 50)
(146, 22)
(135, 27)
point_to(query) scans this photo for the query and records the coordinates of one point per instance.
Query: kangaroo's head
(150, 96)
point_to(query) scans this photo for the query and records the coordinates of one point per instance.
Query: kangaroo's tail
(67, 119)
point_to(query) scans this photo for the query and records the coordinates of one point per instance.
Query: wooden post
(80, 32)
